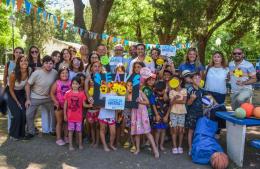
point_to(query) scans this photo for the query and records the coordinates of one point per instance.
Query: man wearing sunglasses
(242, 76)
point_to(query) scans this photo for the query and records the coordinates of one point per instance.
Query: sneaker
(13, 138)
(60, 142)
(180, 150)
(66, 139)
(174, 151)
(189, 153)
(133, 149)
(28, 136)
(126, 145)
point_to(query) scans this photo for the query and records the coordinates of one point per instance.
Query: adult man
(118, 58)
(148, 61)
(242, 75)
(102, 52)
(37, 94)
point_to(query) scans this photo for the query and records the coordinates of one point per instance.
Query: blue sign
(115, 102)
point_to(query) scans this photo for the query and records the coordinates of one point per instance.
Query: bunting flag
(7, 2)
(13, 3)
(65, 25)
(19, 5)
(28, 7)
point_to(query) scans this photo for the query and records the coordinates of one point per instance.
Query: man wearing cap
(148, 61)
(118, 58)
(242, 76)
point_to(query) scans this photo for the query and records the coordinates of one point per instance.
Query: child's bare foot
(71, 148)
(136, 152)
(113, 147)
(106, 149)
(80, 147)
(162, 148)
(156, 154)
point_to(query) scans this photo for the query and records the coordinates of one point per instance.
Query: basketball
(256, 112)
(240, 113)
(248, 107)
(219, 160)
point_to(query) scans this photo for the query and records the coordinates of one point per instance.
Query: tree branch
(228, 17)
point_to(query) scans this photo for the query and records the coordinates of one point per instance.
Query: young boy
(194, 106)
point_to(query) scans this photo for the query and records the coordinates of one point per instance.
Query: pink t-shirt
(61, 89)
(75, 105)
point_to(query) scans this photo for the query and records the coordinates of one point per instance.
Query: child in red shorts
(73, 109)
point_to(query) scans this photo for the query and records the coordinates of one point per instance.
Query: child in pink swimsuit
(58, 90)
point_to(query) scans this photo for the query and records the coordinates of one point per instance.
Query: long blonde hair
(197, 60)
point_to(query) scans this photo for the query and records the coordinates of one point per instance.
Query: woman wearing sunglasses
(34, 58)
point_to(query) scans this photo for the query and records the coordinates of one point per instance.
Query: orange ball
(248, 107)
(219, 160)
(257, 112)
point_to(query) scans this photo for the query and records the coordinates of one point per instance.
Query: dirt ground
(42, 152)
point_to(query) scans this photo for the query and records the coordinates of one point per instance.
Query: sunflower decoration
(148, 60)
(160, 61)
(174, 83)
(202, 82)
(238, 72)
(91, 91)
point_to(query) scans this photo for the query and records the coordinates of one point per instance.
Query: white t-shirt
(106, 113)
(150, 65)
(247, 69)
(41, 82)
(216, 80)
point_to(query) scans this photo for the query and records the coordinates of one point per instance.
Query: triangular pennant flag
(45, 16)
(64, 25)
(49, 16)
(35, 11)
(110, 39)
(126, 42)
(13, 3)
(55, 21)
(187, 45)
(19, 4)
(61, 24)
(114, 39)
(103, 36)
(28, 7)
(7, 2)
(76, 29)
(122, 41)
(0, 2)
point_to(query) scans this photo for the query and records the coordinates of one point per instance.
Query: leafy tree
(99, 10)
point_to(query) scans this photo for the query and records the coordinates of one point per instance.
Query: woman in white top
(16, 98)
(65, 58)
(216, 77)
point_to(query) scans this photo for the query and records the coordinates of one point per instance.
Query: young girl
(73, 108)
(58, 90)
(76, 67)
(160, 110)
(140, 124)
(107, 118)
(177, 111)
(92, 112)
(194, 106)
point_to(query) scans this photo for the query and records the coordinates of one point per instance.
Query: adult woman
(217, 71)
(76, 66)
(93, 57)
(34, 58)
(65, 58)
(9, 67)
(16, 98)
(55, 55)
(84, 54)
(192, 62)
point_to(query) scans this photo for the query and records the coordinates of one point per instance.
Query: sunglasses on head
(34, 51)
(237, 53)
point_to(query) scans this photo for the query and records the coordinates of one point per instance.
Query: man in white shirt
(148, 61)
(242, 76)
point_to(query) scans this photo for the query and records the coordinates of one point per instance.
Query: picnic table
(236, 133)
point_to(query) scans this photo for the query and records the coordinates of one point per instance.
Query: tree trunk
(202, 44)
(166, 39)
(100, 11)
(138, 32)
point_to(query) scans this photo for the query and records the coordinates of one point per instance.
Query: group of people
(59, 86)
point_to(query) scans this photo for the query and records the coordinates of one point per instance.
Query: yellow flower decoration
(91, 91)
(159, 61)
(121, 90)
(103, 89)
(202, 83)
(238, 72)
(148, 59)
(174, 83)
